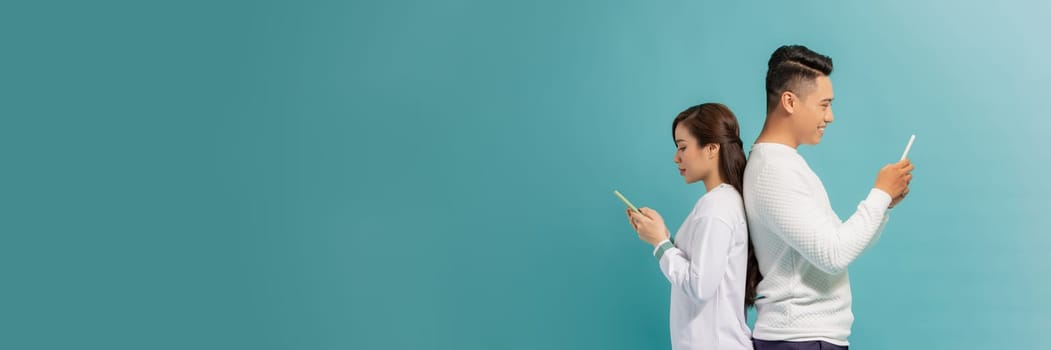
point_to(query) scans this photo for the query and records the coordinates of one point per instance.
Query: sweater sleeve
(699, 269)
(795, 213)
(879, 231)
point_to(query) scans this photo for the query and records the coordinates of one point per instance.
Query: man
(802, 246)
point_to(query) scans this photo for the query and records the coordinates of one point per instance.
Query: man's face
(813, 112)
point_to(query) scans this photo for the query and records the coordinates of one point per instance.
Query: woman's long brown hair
(715, 123)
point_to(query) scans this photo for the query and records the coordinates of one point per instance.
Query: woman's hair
(715, 123)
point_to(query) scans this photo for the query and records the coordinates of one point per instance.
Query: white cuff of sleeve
(879, 198)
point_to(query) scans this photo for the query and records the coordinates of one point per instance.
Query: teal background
(438, 174)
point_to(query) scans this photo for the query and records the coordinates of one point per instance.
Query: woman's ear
(713, 150)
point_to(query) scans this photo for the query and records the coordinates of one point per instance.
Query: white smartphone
(908, 147)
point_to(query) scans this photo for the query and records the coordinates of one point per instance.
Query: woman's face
(695, 162)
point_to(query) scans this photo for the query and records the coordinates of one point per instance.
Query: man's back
(802, 247)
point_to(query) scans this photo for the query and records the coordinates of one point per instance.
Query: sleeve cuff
(879, 198)
(661, 247)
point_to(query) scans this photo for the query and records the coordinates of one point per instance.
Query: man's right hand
(894, 180)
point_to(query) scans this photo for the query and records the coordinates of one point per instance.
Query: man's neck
(776, 134)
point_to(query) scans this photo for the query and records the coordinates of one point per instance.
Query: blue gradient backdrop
(438, 174)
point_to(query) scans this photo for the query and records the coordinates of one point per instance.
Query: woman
(710, 264)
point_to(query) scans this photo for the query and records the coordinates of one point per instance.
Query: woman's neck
(713, 181)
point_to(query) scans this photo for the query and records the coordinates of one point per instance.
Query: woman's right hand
(649, 225)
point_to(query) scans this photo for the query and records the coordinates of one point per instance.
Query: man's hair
(793, 68)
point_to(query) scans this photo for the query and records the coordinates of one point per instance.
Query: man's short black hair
(790, 67)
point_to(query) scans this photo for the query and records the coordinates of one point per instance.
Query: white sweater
(803, 248)
(706, 268)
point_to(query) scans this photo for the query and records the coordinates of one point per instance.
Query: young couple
(765, 234)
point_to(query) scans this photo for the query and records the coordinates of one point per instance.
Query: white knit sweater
(803, 247)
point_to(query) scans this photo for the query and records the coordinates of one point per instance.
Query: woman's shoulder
(723, 203)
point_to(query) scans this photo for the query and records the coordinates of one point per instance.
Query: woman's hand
(649, 225)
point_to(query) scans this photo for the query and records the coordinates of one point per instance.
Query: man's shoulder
(767, 166)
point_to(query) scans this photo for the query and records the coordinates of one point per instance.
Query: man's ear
(789, 101)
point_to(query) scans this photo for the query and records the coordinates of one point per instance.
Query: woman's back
(707, 312)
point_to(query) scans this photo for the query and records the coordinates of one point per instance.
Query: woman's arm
(698, 269)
